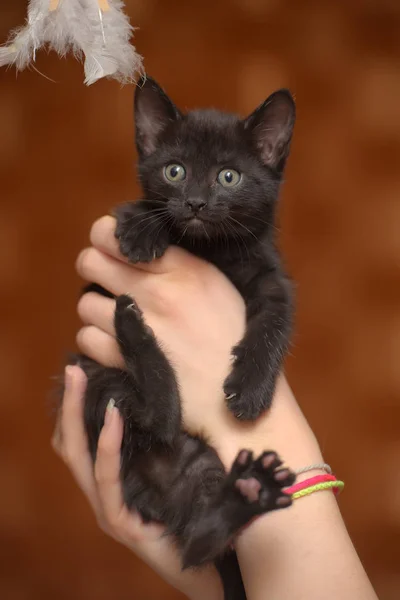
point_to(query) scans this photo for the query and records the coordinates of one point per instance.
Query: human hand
(101, 486)
(198, 316)
(194, 310)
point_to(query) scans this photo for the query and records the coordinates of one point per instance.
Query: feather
(61, 25)
(109, 53)
(25, 41)
(98, 30)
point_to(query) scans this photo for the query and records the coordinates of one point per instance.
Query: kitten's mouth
(195, 226)
(194, 221)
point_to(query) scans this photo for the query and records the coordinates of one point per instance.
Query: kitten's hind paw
(126, 302)
(261, 482)
(129, 323)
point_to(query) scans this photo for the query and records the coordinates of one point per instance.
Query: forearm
(303, 552)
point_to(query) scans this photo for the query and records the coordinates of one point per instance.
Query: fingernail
(68, 377)
(109, 412)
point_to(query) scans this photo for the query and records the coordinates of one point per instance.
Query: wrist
(283, 429)
(291, 541)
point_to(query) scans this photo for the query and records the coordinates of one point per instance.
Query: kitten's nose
(196, 204)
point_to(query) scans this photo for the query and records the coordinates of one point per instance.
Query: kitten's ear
(271, 127)
(153, 113)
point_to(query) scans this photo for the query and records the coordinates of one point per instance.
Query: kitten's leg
(142, 230)
(259, 356)
(252, 488)
(159, 410)
(146, 394)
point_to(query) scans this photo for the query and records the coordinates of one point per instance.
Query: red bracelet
(302, 485)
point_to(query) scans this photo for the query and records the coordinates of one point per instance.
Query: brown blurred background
(67, 156)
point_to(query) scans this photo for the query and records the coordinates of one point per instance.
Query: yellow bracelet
(327, 485)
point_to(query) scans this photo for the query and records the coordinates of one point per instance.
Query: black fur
(233, 227)
(168, 475)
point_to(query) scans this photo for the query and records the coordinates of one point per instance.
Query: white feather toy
(97, 30)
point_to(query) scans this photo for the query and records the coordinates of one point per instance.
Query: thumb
(102, 237)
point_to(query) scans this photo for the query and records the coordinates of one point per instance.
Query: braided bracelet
(316, 466)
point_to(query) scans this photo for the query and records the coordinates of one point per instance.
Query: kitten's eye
(175, 172)
(229, 177)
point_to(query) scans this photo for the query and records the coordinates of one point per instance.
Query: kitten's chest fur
(240, 263)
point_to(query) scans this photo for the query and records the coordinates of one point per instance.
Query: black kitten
(168, 475)
(211, 183)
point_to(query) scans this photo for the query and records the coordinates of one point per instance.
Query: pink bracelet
(302, 485)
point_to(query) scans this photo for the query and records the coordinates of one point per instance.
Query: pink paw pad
(281, 475)
(243, 457)
(268, 459)
(249, 488)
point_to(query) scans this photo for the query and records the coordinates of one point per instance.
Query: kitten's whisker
(164, 198)
(268, 223)
(242, 238)
(184, 232)
(150, 201)
(147, 217)
(151, 222)
(235, 237)
(205, 231)
(147, 214)
(172, 222)
(243, 243)
(244, 227)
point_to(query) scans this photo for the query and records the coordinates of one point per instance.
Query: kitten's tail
(229, 570)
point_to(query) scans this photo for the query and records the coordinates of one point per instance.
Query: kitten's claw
(125, 302)
(229, 396)
(129, 319)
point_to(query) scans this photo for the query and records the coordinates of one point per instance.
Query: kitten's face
(212, 173)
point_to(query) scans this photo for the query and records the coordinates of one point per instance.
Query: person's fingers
(102, 236)
(107, 466)
(150, 291)
(97, 267)
(72, 441)
(94, 309)
(99, 346)
(120, 522)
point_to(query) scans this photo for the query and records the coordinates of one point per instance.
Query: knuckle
(100, 227)
(100, 477)
(82, 306)
(110, 523)
(105, 448)
(103, 524)
(69, 457)
(116, 526)
(55, 443)
(83, 337)
(86, 261)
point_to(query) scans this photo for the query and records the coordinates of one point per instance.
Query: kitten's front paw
(140, 237)
(141, 247)
(248, 390)
(261, 482)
